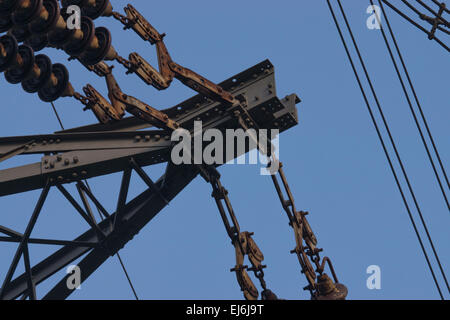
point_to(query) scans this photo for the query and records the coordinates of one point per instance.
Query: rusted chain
(243, 243)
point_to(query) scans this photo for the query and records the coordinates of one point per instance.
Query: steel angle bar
(79, 165)
(257, 83)
(57, 143)
(14, 151)
(135, 215)
(73, 166)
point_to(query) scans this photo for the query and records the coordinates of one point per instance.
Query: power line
(57, 115)
(421, 134)
(392, 141)
(386, 125)
(128, 277)
(380, 137)
(101, 217)
(410, 104)
(413, 8)
(416, 25)
(438, 18)
(429, 8)
(415, 97)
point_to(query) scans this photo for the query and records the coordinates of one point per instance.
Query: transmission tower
(124, 144)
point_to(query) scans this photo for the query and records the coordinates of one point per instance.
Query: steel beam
(99, 149)
(104, 149)
(135, 215)
(57, 143)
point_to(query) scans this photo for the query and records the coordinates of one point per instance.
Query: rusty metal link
(148, 73)
(306, 242)
(126, 63)
(301, 228)
(309, 252)
(123, 19)
(84, 100)
(101, 69)
(102, 108)
(140, 25)
(144, 70)
(243, 243)
(95, 102)
(168, 69)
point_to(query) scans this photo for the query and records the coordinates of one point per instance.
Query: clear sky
(333, 159)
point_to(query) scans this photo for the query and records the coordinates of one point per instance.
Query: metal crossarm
(102, 149)
(117, 144)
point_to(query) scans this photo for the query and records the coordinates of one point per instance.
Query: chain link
(84, 100)
(306, 250)
(123, 19)
(126, 63)
(243, 243)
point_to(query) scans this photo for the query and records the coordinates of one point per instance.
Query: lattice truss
(125, 144)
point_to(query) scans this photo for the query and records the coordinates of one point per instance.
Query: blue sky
(333, 159)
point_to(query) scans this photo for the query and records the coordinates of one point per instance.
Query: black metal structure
(247, 101)
(74, 155)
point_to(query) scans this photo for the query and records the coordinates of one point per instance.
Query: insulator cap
(7, 7)
(51, 93)
(6, 23)
(45, 66)
(21, 33)
(18, 74)
(25, 16)
(37, 42)
(52, 7)
(11, 47)
(75, 48)
(61, 37)
(101, 7)
(80, 3)
(92, 57)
